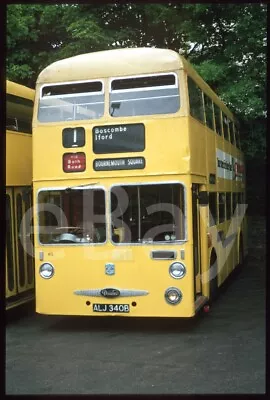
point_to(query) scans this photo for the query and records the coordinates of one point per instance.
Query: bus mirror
(203, 198)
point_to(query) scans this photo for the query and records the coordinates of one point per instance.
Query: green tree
(230, 54)
(226, 43)
(38, 35)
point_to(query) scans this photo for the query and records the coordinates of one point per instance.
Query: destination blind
(108, 164)
(124, 138)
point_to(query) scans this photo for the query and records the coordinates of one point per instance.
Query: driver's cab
(77, 217)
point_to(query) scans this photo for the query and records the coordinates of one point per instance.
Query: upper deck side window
(144, 95)
(209, 115)
(226, 126)
(19, 111)
(71, 101)
(204, 109)
(217, 120)
(237, 136)
(196, 108)
(231, 129)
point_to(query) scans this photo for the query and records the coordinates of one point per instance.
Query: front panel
(124, 262)
(154, 146)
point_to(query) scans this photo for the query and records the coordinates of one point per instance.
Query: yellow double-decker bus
(137, 173)
(19, 245)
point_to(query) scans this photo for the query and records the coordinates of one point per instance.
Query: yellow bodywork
(18, 144)
(18, 159)
(18, 266)
(83, 267)
(178, 149)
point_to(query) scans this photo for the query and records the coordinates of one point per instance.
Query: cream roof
(122, 62)
(117, 62)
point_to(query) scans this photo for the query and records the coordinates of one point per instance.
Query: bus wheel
(213, 289)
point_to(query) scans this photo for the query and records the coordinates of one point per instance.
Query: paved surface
(219, 352)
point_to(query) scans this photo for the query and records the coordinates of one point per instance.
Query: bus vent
(163, 255)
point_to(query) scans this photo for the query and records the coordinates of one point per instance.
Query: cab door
(196, 240)
(29, 238)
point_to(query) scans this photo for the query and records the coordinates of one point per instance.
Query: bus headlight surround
(177, 270)
(173, 295)
(46, 270)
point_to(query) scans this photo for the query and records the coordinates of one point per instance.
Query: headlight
(177, 270)
(173, 295)
(46, 270)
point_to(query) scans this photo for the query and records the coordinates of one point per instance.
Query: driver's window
(72, 216)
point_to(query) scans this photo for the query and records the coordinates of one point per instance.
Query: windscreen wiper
(115, 106)
(78, 187)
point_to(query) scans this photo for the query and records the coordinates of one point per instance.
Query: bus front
(112, 187)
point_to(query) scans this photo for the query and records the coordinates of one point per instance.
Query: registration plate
(111, 308)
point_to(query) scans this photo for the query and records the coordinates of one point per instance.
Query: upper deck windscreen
(144, 95)
(71, 102)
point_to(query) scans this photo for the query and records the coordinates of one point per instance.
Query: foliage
(226, 43)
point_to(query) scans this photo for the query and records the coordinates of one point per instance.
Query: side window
(209, 116)
(221, 207)
(19, 125)
(217, 119)
(19, 111)
(228, 206)
(231, 130)
(25, 126)
(226, 132)
(233, 134)
(212, 208)
(195, 100)
(12, 124)
(237, 137)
